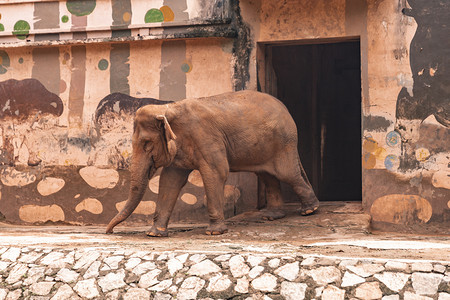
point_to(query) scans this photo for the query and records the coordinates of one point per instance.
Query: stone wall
(93, 273)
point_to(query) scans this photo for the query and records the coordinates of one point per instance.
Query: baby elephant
(237, 131)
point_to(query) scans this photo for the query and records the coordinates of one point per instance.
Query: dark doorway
(321, 86)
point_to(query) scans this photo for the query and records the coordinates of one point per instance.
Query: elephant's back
(244, 103)
(248, 115)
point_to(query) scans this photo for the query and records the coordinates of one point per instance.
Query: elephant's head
(153, 147)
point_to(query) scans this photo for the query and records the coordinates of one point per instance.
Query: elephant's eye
(148, 146)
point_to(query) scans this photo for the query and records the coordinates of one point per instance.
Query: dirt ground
(337, 229)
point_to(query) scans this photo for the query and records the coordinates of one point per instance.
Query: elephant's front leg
(170, 184)
(214, 182)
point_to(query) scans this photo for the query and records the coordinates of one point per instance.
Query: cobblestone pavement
(83, 263)
(98, 273)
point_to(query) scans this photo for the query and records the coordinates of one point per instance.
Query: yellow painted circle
(380, 153)
(401, 209)
(370, 145)
(422, 154)
(368, 161)
(167, 13)
(126, 17)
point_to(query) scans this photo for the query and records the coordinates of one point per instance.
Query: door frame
(267, 80)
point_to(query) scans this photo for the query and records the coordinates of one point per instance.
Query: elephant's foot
(158, 232)
(216, 228)
(272, 214)
(309, 208)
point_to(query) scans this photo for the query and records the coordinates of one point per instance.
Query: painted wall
(63, 67)
(72, 75)
(405, 95)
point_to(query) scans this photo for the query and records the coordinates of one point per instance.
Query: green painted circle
(103, 64)
(81, 7)
(4, 59)
(21, 60)
(154, 15)
(185, 67)
(65, 19)
(2, 27)
(21, 29)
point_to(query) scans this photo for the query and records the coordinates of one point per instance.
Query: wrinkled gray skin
(238, 131)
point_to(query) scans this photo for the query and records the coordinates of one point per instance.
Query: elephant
(232, 132)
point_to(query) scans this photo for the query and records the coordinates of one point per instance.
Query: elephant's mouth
(152, 169)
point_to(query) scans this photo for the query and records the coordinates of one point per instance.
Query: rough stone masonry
(109, 273)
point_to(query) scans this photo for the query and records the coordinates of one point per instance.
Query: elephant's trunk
(140, 173)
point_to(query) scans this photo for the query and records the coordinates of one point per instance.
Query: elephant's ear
(169, 136)
(167, 129)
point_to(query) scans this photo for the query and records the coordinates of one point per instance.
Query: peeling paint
(11, 177)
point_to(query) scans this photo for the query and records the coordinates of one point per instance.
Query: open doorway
(320, 84)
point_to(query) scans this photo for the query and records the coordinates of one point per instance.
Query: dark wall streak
(120, 68)
(46, 16)
(242, 48)
(77, 85)
(172, 85)
(46, 67)
(119, 9)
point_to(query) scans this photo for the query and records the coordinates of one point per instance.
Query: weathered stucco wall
(62, 67)
(405, 97)
(67, 103)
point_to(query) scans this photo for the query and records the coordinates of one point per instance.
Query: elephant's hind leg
(170, 184)
(293, 174)
(274, 207)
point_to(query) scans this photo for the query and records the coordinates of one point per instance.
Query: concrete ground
(338, 228)
(339, 232)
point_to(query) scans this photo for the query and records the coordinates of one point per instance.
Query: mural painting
(405, 96)
(67, 110)
(414, 150)
(87, 61)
